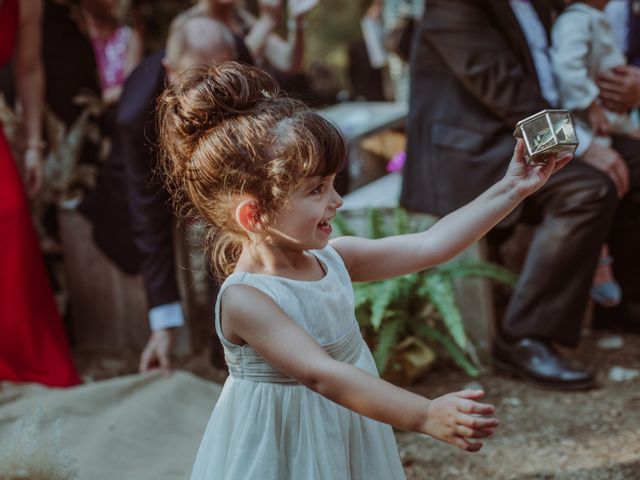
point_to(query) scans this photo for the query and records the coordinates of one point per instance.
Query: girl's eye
(318, 189)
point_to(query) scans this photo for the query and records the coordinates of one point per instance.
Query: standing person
(259, 168)
(478, 67)
(133, 223)
(117, 47)
(33, 345)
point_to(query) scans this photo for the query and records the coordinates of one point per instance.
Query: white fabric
(166, 316)
(536, 37)
(269, 429)
(138, 427)
(617, 12)
(583, 47)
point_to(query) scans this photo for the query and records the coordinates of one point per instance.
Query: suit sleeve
(474, 49)
(151, 215)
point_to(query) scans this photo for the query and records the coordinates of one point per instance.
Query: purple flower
(397, 162)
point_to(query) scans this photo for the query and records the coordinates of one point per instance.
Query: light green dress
(266, 426)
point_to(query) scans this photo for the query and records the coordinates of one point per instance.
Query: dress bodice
(9, 18)
(323, 308)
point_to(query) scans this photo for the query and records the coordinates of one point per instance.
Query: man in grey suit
(479, 66)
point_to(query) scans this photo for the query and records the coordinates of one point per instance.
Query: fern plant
(421, 304)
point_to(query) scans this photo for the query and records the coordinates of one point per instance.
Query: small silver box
(545, 133)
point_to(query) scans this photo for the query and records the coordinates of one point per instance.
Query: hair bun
(204, 97)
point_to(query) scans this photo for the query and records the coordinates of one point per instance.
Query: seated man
(478, 67)
(129, 179)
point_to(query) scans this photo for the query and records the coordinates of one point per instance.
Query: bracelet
(35, 144)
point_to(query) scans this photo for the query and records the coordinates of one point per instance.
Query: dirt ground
(589, 435)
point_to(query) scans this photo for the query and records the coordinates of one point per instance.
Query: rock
(611, 342)
(512, 401)
(474, 386)
(621, 374)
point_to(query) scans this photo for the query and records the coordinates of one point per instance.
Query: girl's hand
(453, 418)
(525, 179)
(32, 171)
(298, 9)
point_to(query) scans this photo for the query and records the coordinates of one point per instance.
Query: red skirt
(33, 344)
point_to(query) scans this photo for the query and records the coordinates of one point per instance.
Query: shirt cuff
(166, 316)
(585, 137)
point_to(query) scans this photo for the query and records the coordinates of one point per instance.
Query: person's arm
(251, 316)
(153, 235)
(285, 55)
(30, 88)
(368, 260)
(463, 34)
(163, 319)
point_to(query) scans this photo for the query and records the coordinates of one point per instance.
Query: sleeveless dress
(33, 347)
(266, 426)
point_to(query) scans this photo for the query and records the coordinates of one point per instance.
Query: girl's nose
(336, 200)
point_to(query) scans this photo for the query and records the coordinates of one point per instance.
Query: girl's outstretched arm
(250, 316)
(369, 260)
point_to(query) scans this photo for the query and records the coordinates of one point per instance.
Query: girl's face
(304, 222)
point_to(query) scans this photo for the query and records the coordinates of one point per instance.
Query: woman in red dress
(33, 346)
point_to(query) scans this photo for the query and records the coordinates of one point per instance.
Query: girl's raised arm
(369, 260)
(251, 316)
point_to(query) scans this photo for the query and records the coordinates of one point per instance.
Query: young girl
(303, 399)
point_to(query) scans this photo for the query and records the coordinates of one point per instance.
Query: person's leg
(624, 244)
(574, 210)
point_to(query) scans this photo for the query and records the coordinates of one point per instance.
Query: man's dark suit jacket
(472, 79)
(133, 222)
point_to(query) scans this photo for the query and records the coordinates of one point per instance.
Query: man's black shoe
(537, 362)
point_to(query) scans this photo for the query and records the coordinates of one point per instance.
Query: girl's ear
(247, 215)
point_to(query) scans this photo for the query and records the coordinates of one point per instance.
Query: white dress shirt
(166, 316)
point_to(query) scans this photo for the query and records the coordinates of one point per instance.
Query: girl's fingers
(563, 161)
(464, 444)
(478, 422)
(470, 394)
(471, 433)
(476, 408)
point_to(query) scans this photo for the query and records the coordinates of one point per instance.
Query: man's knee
(595, 193)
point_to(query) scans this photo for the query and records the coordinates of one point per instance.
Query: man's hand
(156, 353)
(620, 88)
(598, 120)
(607, 160)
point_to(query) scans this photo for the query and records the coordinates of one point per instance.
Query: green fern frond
(440, 291)
(376, 224)
(402, 222)
(385, 295)
(478, 268)
(456, 354)
(342, 226)
(387, 340)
